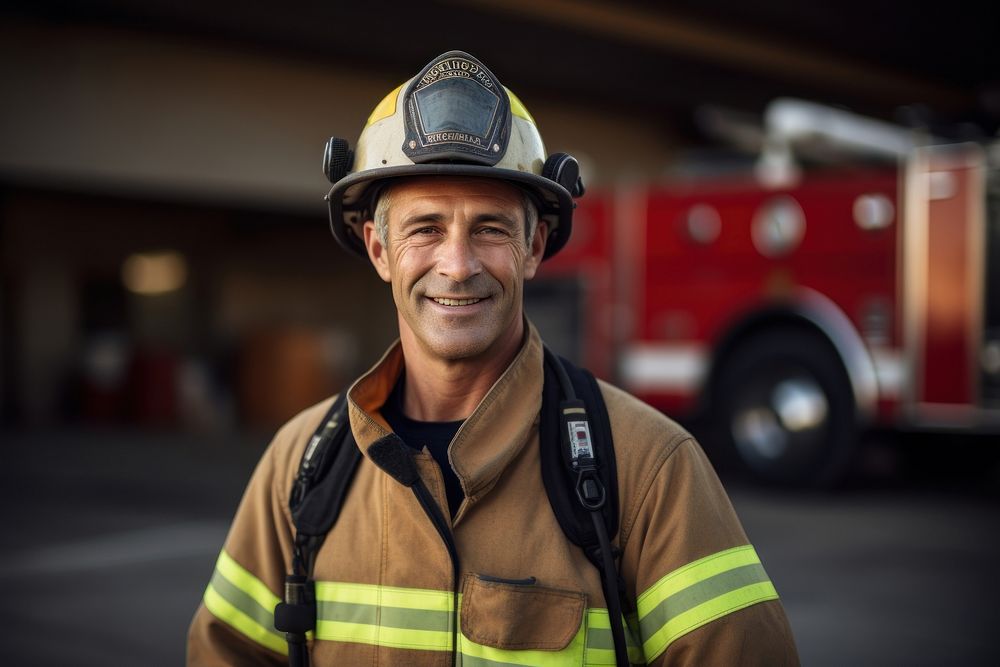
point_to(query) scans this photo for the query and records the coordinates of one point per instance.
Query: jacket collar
(491, 436)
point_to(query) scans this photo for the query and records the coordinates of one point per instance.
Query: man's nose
(457, 258)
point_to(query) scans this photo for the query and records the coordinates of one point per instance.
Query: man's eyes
(494, 231)
(485, 231)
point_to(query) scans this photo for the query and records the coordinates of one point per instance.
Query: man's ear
(377, 252)
(537, 250)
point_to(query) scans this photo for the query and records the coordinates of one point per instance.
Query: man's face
(457, 259)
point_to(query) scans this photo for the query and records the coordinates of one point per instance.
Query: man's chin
(458, 350)
(451, 341)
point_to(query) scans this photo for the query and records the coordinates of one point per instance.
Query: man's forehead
(428, 190)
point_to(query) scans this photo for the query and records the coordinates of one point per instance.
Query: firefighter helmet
(453, 119)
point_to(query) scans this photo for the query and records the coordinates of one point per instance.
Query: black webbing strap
(581, 476)
(325, 474)
(331, 457)
(557, 469)
(318, 493)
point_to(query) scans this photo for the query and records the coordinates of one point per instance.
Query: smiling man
(472, 499)
(457, 252)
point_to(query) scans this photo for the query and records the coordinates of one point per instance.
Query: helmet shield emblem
(456, 111)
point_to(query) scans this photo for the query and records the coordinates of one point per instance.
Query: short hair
(384, 203)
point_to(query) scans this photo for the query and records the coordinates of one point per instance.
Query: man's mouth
(456, 302)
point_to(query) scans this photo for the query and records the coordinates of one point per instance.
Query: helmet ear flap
(564, 170)
(338, 159)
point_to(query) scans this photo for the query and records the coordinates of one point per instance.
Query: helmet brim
(348, 202)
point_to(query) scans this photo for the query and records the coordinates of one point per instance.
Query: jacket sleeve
(234, 625)
(702, 595)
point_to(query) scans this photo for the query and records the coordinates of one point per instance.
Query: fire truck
(795, 308)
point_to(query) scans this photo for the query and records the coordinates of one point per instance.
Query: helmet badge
(456, 111)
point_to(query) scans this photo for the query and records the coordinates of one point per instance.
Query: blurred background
(790, 242)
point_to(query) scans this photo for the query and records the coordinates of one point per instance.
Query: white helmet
(453, 119)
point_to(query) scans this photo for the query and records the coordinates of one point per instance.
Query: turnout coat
(697, 590)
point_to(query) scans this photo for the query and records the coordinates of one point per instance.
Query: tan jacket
(384, 577)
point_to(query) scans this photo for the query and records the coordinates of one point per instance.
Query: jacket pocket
(519, 615)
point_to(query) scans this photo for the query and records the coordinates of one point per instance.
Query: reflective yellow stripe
(477, 654)
(246, 582)
(600, 649)
(421, 619)
(698, 593)
(389, 596)
(379, 635)
(699, 616)
(411, 618)
(227, 612)
(243, 601)
(694, 572)
(517, 107)
(385, 108)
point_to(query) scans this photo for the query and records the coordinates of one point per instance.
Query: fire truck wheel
(786, 409)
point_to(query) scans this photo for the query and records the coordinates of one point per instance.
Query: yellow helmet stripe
(385, 108)
(517, 107)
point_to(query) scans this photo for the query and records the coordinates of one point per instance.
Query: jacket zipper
(433, 512)
(394, 457)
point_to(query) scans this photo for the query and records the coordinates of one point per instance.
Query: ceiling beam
(677, 34)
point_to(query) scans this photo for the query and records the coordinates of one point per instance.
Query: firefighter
(451, 543)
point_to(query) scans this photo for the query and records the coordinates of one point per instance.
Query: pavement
(110, 538)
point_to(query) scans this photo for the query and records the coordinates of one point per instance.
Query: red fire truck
(796, 307)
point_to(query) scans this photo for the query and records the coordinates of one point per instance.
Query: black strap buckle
(297, 614)
(589, 489)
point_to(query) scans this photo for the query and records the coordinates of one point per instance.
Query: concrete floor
(109, 540)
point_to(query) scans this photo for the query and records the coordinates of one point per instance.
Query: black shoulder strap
(324, 476)
(331, 457)
(557, 470)
(323, 479)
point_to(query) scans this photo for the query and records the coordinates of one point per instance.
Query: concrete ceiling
(935, 66)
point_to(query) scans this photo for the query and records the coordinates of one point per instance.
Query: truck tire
(785, 410)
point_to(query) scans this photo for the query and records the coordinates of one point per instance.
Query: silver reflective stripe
(700, 593)
(393, 617)
(238, 598)
(243, 602)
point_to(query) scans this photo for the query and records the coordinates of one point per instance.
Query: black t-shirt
(436, 436)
